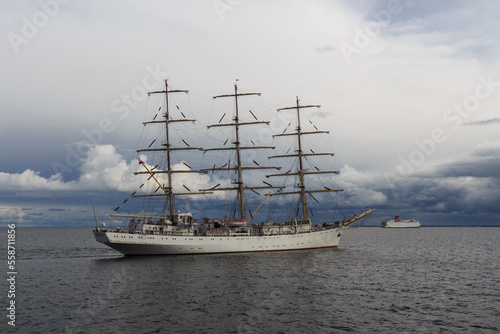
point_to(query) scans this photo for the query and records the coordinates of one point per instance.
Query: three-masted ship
(174, 232)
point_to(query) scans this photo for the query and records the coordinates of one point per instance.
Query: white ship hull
(144, 244)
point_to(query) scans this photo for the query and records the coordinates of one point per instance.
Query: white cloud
(11, 215)
(31, 181)
(105, 169)
(361, 186)
(102, 169)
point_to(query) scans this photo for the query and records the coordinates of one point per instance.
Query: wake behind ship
(169, 231)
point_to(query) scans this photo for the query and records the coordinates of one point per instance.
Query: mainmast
(240, 187)
(301, 156)
(167, 147)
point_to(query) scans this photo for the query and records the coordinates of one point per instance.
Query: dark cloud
(466, 187)
(483, 167)
(490, 121)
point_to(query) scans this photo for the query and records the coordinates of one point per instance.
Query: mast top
(167, 91)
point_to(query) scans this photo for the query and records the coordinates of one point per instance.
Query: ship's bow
(101, 236)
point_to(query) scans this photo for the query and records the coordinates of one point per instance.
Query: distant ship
(398, 223)
(166, 230)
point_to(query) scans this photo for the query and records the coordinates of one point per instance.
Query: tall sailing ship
(173, 232)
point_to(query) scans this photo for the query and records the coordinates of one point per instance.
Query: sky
(409, 90)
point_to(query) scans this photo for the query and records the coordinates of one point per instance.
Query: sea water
(427, 280)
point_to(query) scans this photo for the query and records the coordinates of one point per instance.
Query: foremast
(300, 155)
(168, 149)
(239, 187)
